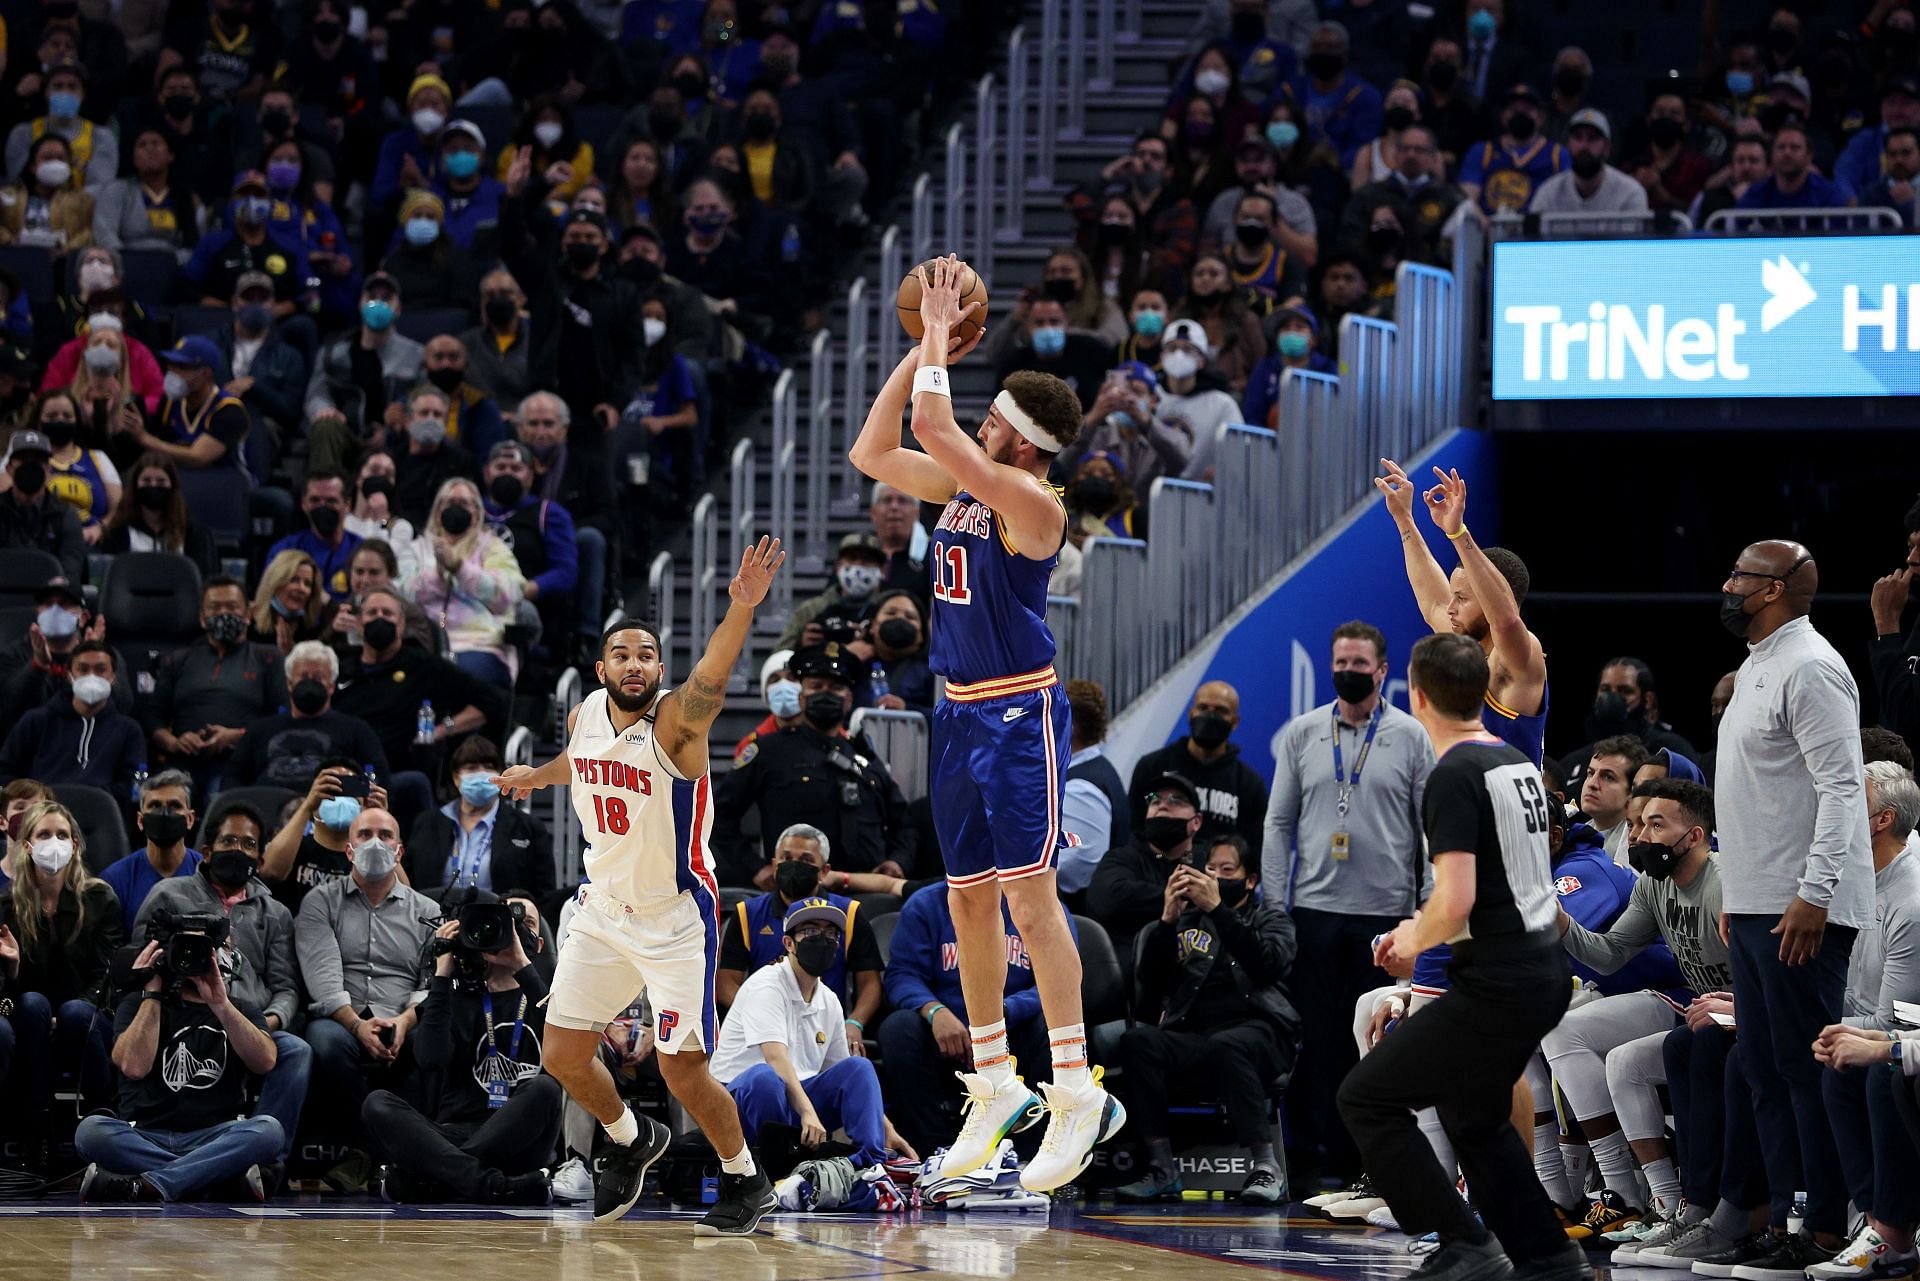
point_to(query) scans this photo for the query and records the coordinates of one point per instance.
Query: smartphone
(354, 785)
(386, 1036)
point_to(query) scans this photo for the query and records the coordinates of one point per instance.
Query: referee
(1486, 815)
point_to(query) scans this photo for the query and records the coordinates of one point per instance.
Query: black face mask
(325, 30)
(325, 521)
(898, 633)
(1325, 66)
(1397, 117)
(1569, 82)
(59, 432)
(641, 271)
(456, 519)
(177, 105)
(825, 711)
(1165, 832)
(1713, 724)
(1250, 234)
(1233, 889)
(164, 829)
(377, 485)
(1656, 858)
(1775, 115)
(1782, 40)
(1733, 611)
(1521, 126)
(1443, 75)
(1611, 716)
(581, 254)
(1114, 233)
(29, 478)
(447, 377)
(309, 696)
(796, 880)
(758, 126)
(506, 491)
(1061, 291)
(275, 124)
(816, 955)
(1586, 164)
(229, 869)
(501, 311)
(1665, 131)
(1093, 494)
(1209, 730)
(1249, 27)
(1353, 687)
(692, 85)
(1381, 240)
(379, 632)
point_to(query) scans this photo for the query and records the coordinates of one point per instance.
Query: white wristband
(932, 379)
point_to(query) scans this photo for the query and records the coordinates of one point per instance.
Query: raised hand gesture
(518, 781)
(940, 308)
(1397, 490)
(757, 563)
(1447, 502)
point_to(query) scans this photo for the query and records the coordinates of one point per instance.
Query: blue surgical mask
(63, 106)
(461, 164)
(422, 231)
(1049, 342)
(1294, 346)
(1283, 133)
(57, 624)
(376, 314)
(479, 790)
(1480, 25)
(1739, 83)
(783, 698)
(1149, 324)
(338, 812)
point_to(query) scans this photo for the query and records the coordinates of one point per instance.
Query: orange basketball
(906, 304)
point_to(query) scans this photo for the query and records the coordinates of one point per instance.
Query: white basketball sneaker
(990, 1116)
(1075, 1123)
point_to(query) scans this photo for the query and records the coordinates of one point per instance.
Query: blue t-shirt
(1508, 178)
(134, 877)
(1816, 193)
(665, 397)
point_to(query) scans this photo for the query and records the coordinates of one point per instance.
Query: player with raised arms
(1000, 737)
(648, 915)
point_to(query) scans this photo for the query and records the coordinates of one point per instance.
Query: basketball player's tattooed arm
(1517, 648)
(688, 712)
(1429, 581)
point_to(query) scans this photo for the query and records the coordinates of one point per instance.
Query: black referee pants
(1336, 949)
(1462, 1055)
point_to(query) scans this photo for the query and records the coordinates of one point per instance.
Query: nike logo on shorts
(1013, 714)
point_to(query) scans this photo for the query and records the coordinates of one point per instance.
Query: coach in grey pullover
(1886, 956)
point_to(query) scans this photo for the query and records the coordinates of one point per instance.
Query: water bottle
(790, 244)
(423, 725)
(139, 782)
(879, 681)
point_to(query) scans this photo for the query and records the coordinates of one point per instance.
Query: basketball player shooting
(648, 916)
(1000, 737)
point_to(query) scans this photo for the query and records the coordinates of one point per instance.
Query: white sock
(1615, 1160)
(625, 1130)
(740, 1162)
(1578, 1158)
(1548, 1165)
(1070, 1064)
(991, 1057)
(1663, 1181)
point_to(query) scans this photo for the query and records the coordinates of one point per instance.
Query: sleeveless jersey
(646, 827)
(81, 485)
(1526, 734)
(989, 601)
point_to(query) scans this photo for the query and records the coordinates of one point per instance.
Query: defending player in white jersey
(636, 760)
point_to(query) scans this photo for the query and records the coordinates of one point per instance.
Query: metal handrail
(985, 138)
(740, 514)
(1370, 397)
(1111, 637)
(820, 399)
(660, 599)
(1131, 23)
(1748, 222)
(853, 408)
(519, 751)
(1047, 122)
(1307, 402)
(1015, 144)
(954, 225)
(706, 564)
(1103, 42)
(920, 239)
(567, 837)
(1425, 313)
(785, 397)
(893, 269)
(1074, 127)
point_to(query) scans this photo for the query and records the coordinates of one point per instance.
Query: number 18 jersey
(646, 827)
(989, 601)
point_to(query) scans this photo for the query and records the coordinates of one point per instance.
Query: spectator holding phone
(311, 849)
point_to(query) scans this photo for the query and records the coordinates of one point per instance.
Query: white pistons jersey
(646, 827)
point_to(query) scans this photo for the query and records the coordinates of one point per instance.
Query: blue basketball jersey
(989, 601)
(1526, 734)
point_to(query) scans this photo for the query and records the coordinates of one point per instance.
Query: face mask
(1569, 82)
(1149, 181)
(1397, 118)
(422, 232)
(379, 633)
(1180, 364)
(63, 106)
(53, 173)
(28, 478)
(652, 330)
(1739, 83)
(229, 868)
(1383, 239)
(56, 623)
(665, 124)
(325, 521)
(1049, 342)
(1480, 25)
(1251, 234)
(95, 276)
(758, 126)
(478, 790)
(796, 880)
(164, 830)
(52, 854)
(461, 164)
(1114, 233)
(581, 254)
(1443, 75)
(1733, 611)
(1249, 27)
(1586, 165)
(59, 431)
(1165, 832)
(502, 313)
(641, 271)
(1610, 717)
(783, 698)
(376, 314)
(1061, 291)
(427, 121)
(1212, 83)
(374, 859)
(447, 377)
(1664, 132)
(309, 697)
(338, 812)
(825, 711)
(708, 224)
(1209, 730)
(858, 580)
(225, 628)
(426, 432)
(506, 491)
(898, 633)
(1093, 494)
(547, 133)
(281, 610)
(1353, 687)
(456, 519)
(816, 955)
(1656, 858)
(1232, 889)
(177, 105)
(1782, 40)
(174, 386)
(1325, 66)
(283, 175)
(1294, 346)
(1521, 126)
(253, 317)
(1283, 134)
(274, 124)
(92, 690)
(377, 484)
(1150, 324)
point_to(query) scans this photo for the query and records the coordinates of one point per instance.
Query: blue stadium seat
(34, 266)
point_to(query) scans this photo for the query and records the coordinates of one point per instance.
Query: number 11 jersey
(646, 827)
(989, 601)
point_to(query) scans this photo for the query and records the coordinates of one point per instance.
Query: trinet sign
(1723, 318)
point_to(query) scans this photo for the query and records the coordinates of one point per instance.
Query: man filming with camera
(184, 1049)
(491, 1117)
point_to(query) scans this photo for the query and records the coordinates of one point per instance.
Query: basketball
(906, 304)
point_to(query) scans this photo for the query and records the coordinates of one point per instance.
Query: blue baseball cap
(1138, 371)
(1301, 312)
(194, 350)
(814, 909)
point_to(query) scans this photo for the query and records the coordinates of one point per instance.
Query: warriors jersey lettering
(989, 600)
(646, 827)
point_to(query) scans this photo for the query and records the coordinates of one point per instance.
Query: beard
(632, 702)
(1003, 454)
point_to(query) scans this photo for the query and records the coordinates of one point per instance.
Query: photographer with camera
(260, 932)
(815, 774)
(184, 1048)
(359, 940)
(312, 848)
(858, 571)
(490, 1126)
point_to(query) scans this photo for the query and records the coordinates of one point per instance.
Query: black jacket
(1255, 940)
(1127, 892)
(59, 966)
(450, 1047)
(50, 524)
(279, 376)
(522, 852)
(1896, 679)
(1232, 796)
(798, 775)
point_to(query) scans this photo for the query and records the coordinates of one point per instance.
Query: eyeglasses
(814, 932)
(1737, 572)
(1171, 798)
(246, 844)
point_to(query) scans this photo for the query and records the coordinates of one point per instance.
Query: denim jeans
(179, 1162)
(47, 1048)
(284, 1091)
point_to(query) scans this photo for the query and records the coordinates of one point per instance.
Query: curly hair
(1047, 400)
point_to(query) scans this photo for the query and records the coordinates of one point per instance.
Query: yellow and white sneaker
(1075, 1124)
(990, 1116)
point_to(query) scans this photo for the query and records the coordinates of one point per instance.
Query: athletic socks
(1577, 1157)
(1264, 1158)
(1663, 1183)
(740, 1162)
(1070, 1069)
(1615, 1160)
(1548, 1165)
(991, 1057)
(1730, 1221)
(625, 1130)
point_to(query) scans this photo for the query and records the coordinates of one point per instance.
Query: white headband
(1024, 424)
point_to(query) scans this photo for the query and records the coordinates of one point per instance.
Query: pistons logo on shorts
(669, 1020)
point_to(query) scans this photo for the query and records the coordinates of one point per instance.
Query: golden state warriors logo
(1509, 189)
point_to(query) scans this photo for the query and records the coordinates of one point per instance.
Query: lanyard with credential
(1342, 784)
(497, 1088)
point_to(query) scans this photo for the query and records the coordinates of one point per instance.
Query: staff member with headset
(1343, 856)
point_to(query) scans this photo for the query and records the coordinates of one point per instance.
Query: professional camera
(189, 945)
(838, 629)
(487, 926)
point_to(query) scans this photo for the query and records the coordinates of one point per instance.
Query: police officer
(815, 773)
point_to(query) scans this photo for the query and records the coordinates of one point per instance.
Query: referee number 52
(1533, 802)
